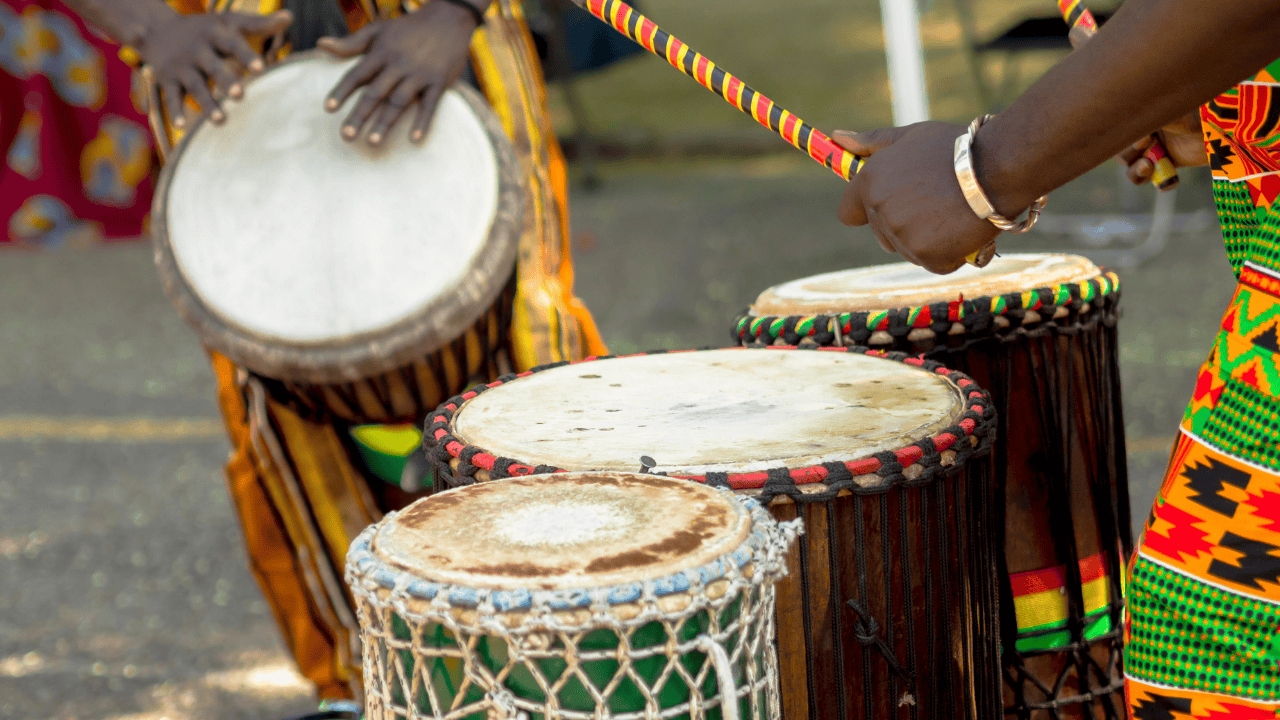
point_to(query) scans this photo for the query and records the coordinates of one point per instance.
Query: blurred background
(125, 592)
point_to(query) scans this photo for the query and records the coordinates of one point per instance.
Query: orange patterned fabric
(1203, 597)
(300, 494)
(1159, 702)
(273, 553)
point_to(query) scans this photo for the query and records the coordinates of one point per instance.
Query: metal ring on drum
(335, 268)
(575, 596)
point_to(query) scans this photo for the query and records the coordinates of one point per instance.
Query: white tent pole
(905, 54)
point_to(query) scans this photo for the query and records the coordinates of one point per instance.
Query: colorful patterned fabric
(1243, 140)
(77, 154)
(1203, 599)
(386, 449)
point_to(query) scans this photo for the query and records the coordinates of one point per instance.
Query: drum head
(570, 530)
(306, 257)
(900, 285)
(711, 411)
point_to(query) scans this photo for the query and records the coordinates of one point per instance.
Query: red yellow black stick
(1082, 27)
(624, 18)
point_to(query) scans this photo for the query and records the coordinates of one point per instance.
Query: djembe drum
(363, 284)
(1037, 331)
(572, 597)
(889, 609)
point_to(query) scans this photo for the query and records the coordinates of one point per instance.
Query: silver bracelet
(973, 193)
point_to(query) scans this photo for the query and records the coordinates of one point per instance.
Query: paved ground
(125, 591)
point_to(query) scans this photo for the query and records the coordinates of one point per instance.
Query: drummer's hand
(408, 61)
(187, 53)
(908, 193)
(1183, 142)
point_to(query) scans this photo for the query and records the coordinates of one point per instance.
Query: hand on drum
(908, 193)
(408, 61)
(1183, 140)
(203, 56)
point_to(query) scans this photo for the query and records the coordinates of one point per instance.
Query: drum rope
(730, 598)
(724, 674)
(1026, 312)
(837, 614)
(944, 572)
(860, 563)
(909, 693)
(806, 618)
(1050, 379)
(931, 634)
(867, 632)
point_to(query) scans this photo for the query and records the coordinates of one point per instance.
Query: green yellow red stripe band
(767, 329)
(1040, 604)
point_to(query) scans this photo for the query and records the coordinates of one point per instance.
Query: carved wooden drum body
(366, 284)
(1037, 331)
(889, 607)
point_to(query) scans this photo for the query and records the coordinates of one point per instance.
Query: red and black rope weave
(970, 436)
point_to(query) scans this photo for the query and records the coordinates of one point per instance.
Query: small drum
(365, 284)
(575, 597)
(1038, 331)
(889, 609)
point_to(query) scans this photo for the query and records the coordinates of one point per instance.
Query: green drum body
(574, 596)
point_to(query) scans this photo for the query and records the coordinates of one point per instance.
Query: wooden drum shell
(890, 605)
(1059, 463)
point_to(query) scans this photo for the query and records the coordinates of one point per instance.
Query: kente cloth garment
(298, 483)
(1203, 601)
(77, 154)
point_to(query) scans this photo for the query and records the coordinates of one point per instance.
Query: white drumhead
(289, 233)
(571, 530)
(899, 285)
(710, 411)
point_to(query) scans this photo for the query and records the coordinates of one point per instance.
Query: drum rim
(759, 547)
(975, 315)
(361, 355)
(1083, 263)
(971, 436)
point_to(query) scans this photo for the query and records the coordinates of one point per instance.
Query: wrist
(144, 25)
(995, 169)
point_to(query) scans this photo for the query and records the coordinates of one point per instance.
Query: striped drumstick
(1082, 27)
(624, 18)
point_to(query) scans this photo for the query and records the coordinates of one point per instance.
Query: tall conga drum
(1039, 332)
(889, 607)
(363, 284)
(578, 596)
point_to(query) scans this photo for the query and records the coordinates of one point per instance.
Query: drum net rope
(634, 652)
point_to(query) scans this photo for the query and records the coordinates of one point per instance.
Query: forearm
(1153, 62)
(126, 21)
